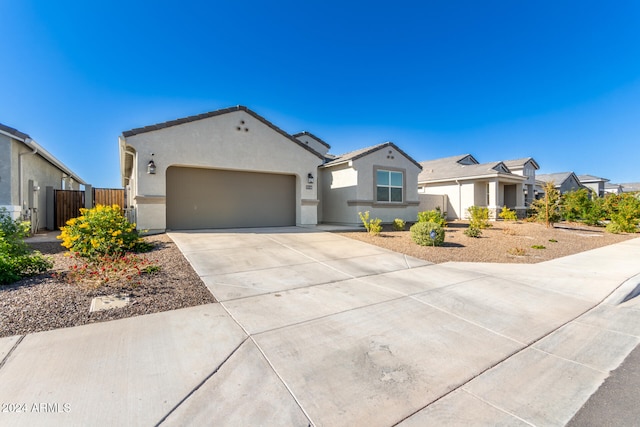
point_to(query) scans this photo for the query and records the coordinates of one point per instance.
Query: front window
(488, 195)
(389, 186)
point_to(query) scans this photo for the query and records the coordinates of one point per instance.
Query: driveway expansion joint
(17, 343)
(207, 378)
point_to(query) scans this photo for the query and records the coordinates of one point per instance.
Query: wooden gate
(108, 196)
(67, 205)
(69, 202)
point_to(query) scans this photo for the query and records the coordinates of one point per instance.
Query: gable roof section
(33, 145)
(312, 136)
(357, 154)
(164, 125)
(467, 159)
(512, 164)
(557, 178)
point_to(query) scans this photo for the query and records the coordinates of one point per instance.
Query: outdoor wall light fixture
(151, 167)
(310, 178)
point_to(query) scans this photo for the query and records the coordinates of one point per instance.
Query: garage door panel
(210, 198)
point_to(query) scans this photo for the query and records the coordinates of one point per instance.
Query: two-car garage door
(213, 198)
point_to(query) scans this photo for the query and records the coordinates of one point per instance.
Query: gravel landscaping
(504, 242)
(48, 301)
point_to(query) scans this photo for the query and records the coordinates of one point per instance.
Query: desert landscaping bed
(47, 301)
(504, 242)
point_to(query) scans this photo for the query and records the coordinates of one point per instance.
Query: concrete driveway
(353, 334)
(314, 328)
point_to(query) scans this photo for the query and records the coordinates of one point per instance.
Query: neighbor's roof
(450, 168)
(630, 186)
(591, 178)
(164, 125)
(521, 162)
(557, 178)
(30, 143)
(357, 154)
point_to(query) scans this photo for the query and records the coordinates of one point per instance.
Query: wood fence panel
(67, 205)
(109, 196)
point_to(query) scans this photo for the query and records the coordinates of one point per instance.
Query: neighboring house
(233, 168)
(613, 189)
(467, 183)
(630, 187)
(26, 171)
(594, 183)
(380, 179)
(563, 182)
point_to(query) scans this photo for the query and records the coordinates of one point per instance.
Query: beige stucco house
(466, 183)
(381, 179)
(26, 171)
(233, 168)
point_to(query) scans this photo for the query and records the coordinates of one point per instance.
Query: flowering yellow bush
(102, 230)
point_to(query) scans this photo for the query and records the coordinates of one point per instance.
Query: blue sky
(555, 80)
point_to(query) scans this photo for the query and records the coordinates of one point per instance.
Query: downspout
(459, 199)
(27, 142)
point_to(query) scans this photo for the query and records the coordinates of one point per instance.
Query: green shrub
(421, 233)
(624, 212)
(539, 247)
(364, 217)
(508, 214)
(434, 215)
(614, 228)
(478, 217)
(596, 213)
(473, 231)
(575, 205)
(398, 224)
(16, 260)
(102, 230)
(373, 226)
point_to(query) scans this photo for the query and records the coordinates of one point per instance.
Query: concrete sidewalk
(314, 328)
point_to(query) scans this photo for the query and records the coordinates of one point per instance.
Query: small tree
(547, 209)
